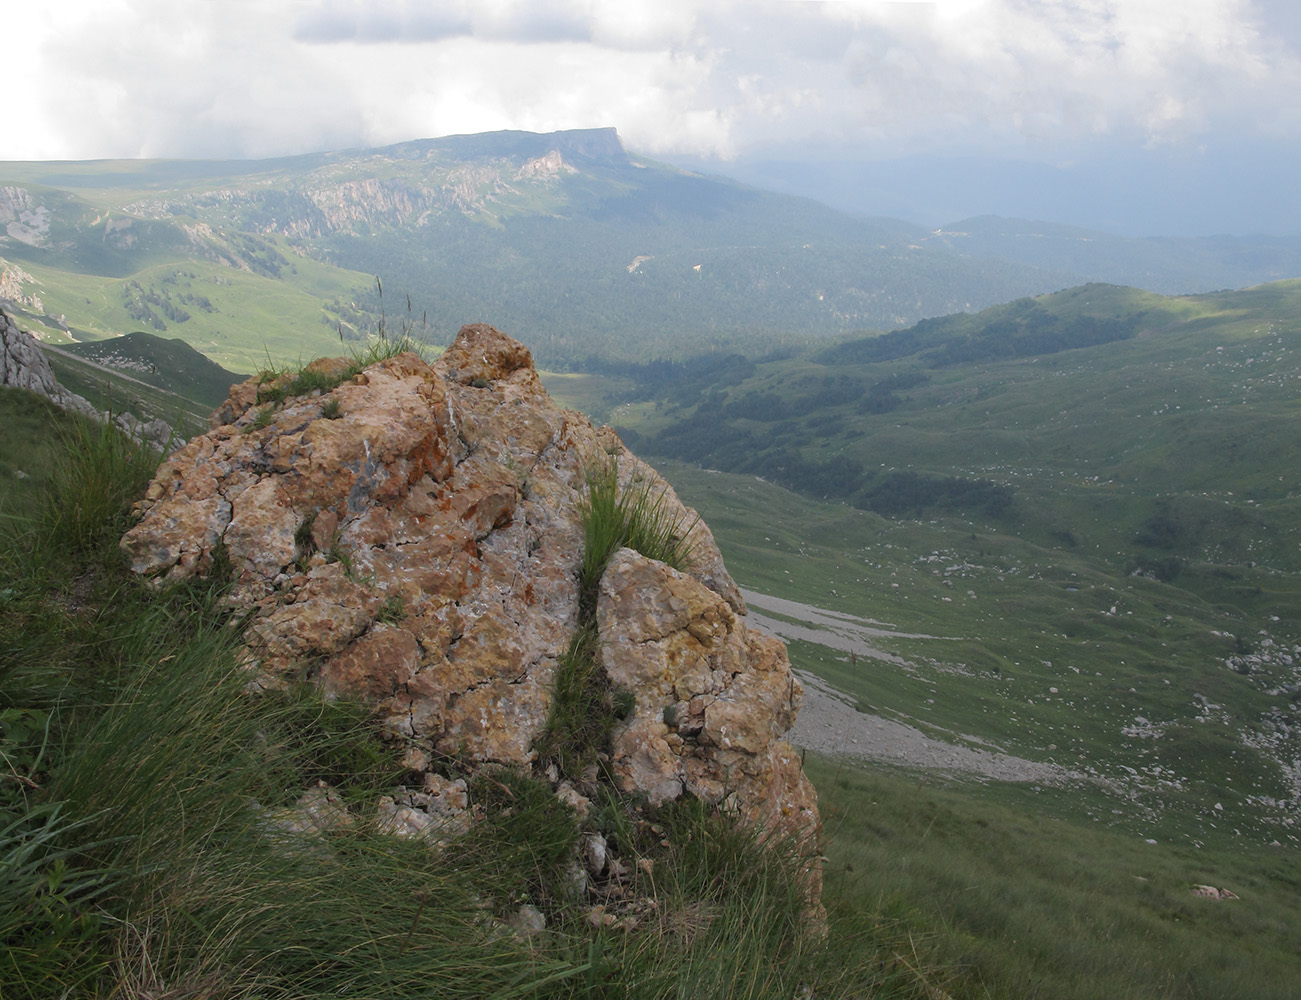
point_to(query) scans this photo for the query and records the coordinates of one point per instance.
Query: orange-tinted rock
(712, 698)
(377, 665)
(260, 536)
(444, 499)
(480, 352)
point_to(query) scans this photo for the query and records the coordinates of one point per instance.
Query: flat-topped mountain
(597, 251)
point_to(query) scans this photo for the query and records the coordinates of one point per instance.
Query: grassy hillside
(165, 364)
(1161, 702)
(1141, 430)
(154, 842)
(976, 889)
(237, 318)
(1100, 541)
(1005, 900)
(1074, 522)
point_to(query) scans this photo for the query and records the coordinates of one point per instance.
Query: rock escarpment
(24, 366)
(412, 536)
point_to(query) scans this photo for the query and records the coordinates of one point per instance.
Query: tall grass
(47, 892)
(184, 776)
(97, 473)
(634, 515)
(146, 848)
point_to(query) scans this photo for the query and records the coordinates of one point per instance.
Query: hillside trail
(116, 373)
(829, 723)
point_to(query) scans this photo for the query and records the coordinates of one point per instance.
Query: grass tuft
(634, 515)
(586, 707)
(583, 711)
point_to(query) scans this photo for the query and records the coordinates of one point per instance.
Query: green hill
(164, 363)
(1054, 407)
(1092, 496)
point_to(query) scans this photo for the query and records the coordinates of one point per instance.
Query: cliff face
(23, 366)
(412, 536)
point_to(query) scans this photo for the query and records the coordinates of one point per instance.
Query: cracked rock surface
(412, 537)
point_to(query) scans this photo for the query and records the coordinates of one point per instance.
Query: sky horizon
(1125, 115)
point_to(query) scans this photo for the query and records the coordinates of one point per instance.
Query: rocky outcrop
(24, 366)
(412, 537)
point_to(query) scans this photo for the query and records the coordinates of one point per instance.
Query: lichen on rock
(412, 538)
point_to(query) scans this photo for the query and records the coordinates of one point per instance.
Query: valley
(1023, 548)
(597, 255)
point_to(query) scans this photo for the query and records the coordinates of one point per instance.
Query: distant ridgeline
(599, 254)
(1018, 330)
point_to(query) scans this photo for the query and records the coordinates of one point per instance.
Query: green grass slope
(1170, 696)
(163, 363)
(234, 315)
(136, 767)
(149, 844)
(1170, 440)
(1101, 540)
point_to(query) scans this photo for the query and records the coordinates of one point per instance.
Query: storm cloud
(1039, 80)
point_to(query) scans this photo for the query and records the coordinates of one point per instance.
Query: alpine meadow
(1022, 501)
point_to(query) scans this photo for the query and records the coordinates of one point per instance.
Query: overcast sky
(1059, 88)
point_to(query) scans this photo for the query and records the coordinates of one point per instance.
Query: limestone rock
(412, 537)
(438, 814)
(24, 366)
(318, 812)
(1211, 892)
(712, 698)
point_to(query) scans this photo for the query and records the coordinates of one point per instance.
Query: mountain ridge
(598, 252)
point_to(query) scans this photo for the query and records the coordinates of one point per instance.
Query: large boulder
(412, 537)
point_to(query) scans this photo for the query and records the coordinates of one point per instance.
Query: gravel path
(829, 723)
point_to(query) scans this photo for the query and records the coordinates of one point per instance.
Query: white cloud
(703, 77)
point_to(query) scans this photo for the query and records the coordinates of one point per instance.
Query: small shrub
(330, 409)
